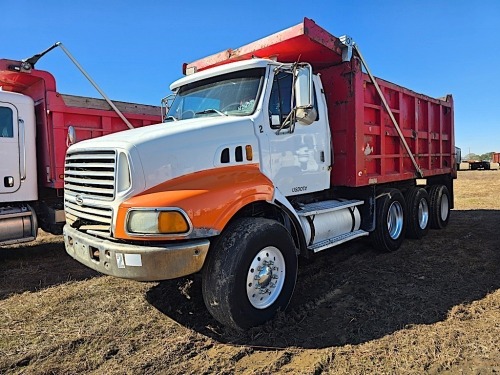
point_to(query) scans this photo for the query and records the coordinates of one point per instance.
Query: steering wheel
(227, 107)
(187, 114)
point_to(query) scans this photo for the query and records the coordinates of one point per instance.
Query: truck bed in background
(55, 112)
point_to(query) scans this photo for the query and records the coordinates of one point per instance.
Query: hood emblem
(79, 199)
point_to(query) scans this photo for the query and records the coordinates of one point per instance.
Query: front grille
(89, 184)
(91, 173)
(96, 218)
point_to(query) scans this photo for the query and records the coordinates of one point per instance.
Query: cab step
(337, 240)
(326, 206)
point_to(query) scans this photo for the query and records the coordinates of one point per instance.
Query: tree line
(472, 156)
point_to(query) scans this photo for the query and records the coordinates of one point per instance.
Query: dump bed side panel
(367, 147)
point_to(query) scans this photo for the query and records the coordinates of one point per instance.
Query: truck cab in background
(18, 172)
(281, 148)
(36, 126)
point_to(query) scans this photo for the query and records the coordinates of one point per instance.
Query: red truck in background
(37, 124)
(280, 148)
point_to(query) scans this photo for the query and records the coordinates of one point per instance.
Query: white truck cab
(148, 203)
(18, 168)
(260, 90)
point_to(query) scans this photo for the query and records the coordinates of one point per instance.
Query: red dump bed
(366, 145)
(495, 158)
(55, 112)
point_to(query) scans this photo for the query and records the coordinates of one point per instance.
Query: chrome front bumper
(142, 263)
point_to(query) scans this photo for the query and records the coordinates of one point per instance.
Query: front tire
(250, 273)
(390, 223)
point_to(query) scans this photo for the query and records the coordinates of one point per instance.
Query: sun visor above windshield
(242, 65)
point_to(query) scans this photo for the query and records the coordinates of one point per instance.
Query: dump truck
(285, 147)
(37, 123)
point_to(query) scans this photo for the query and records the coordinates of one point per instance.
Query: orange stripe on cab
(210, 198)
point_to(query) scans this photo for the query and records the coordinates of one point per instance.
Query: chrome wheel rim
(395, 220)
(423, 214)
(444, 207)
(265, 277)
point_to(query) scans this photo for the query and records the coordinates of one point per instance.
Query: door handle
(22, 149)
(8, 181)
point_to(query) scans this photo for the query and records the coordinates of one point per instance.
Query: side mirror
(304, 109)
(166, 103)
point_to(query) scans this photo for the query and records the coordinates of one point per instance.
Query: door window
(6, 123)
(280, 103)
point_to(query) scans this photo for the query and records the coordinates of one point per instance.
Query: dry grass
(477, 190)
(431, 307)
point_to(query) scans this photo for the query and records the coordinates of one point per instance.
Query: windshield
(232, 94)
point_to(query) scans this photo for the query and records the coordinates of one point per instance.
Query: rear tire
(250, 273)
(440, 206)
(417, 212)
(390, 223)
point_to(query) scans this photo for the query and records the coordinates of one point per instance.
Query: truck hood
(169, 150)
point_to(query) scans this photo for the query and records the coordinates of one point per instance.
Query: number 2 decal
(261, 130)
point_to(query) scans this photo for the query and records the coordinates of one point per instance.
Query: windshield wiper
(171, 118)
(210, 110)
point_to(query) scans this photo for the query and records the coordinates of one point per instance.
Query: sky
(135, 49)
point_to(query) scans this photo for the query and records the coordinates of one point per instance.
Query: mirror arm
(290, 118)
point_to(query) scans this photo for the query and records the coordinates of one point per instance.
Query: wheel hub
(265, 277)
(265, 274)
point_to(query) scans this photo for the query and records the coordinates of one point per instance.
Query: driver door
(300, 154)
(10, 173)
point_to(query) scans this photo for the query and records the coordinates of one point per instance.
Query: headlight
(157, 222)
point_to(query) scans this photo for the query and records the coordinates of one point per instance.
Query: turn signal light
(249, 152)
(154, 222)
(172, 222)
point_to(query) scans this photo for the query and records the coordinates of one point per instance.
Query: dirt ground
(431, 307)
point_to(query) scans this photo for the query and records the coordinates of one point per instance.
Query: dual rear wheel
(418, 211)
(440, 202)
(411, 215)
